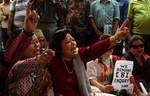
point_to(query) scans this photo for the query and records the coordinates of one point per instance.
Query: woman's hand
(107, 88)
(31, 20)
(45, 57)
(121, 34)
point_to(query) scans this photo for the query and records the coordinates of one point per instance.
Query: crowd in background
(28, 28)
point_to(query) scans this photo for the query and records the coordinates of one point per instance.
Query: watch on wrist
(28, 33)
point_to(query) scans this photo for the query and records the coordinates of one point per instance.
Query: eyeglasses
(137, 46)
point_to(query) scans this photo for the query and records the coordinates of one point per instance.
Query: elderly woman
(29, 73)
(136, 54)
(14, 52)
(28, 76)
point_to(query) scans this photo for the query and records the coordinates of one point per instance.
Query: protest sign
(122, 72)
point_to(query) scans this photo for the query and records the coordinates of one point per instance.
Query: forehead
(138, 41)
(34, 38)
(68, 36)
(41, 38)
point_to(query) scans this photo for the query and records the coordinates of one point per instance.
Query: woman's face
(68, 46)
(42, 42)
(33, 49)
(39, 34)
(137, 48)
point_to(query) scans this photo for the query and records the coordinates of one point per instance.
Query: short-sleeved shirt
(139, 12)
(18, 8)
(104, 13)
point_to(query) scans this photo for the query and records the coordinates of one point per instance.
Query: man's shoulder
(114, 2)
(95, 2)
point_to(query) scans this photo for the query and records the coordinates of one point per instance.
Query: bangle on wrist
(28, 33)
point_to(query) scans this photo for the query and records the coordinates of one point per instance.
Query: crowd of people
(69, 47)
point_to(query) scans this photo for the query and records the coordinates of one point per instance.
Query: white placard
(122, 72)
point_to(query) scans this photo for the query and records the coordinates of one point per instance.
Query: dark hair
(147, 64)
(134, 38)
(146, 68)
(123, 92)
(58, 37)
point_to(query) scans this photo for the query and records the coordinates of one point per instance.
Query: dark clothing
(138, 70)
(77, 19)
(4, 36)
(48, 10)
(118, 50)
(64, 83)
(123, 6)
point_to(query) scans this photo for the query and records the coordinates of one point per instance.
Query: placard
(122, 72)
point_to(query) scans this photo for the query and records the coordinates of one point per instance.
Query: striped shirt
(18, 8)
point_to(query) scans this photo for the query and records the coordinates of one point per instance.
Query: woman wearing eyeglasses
(136, 54)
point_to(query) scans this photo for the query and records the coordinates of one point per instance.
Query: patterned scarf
(26, 79)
